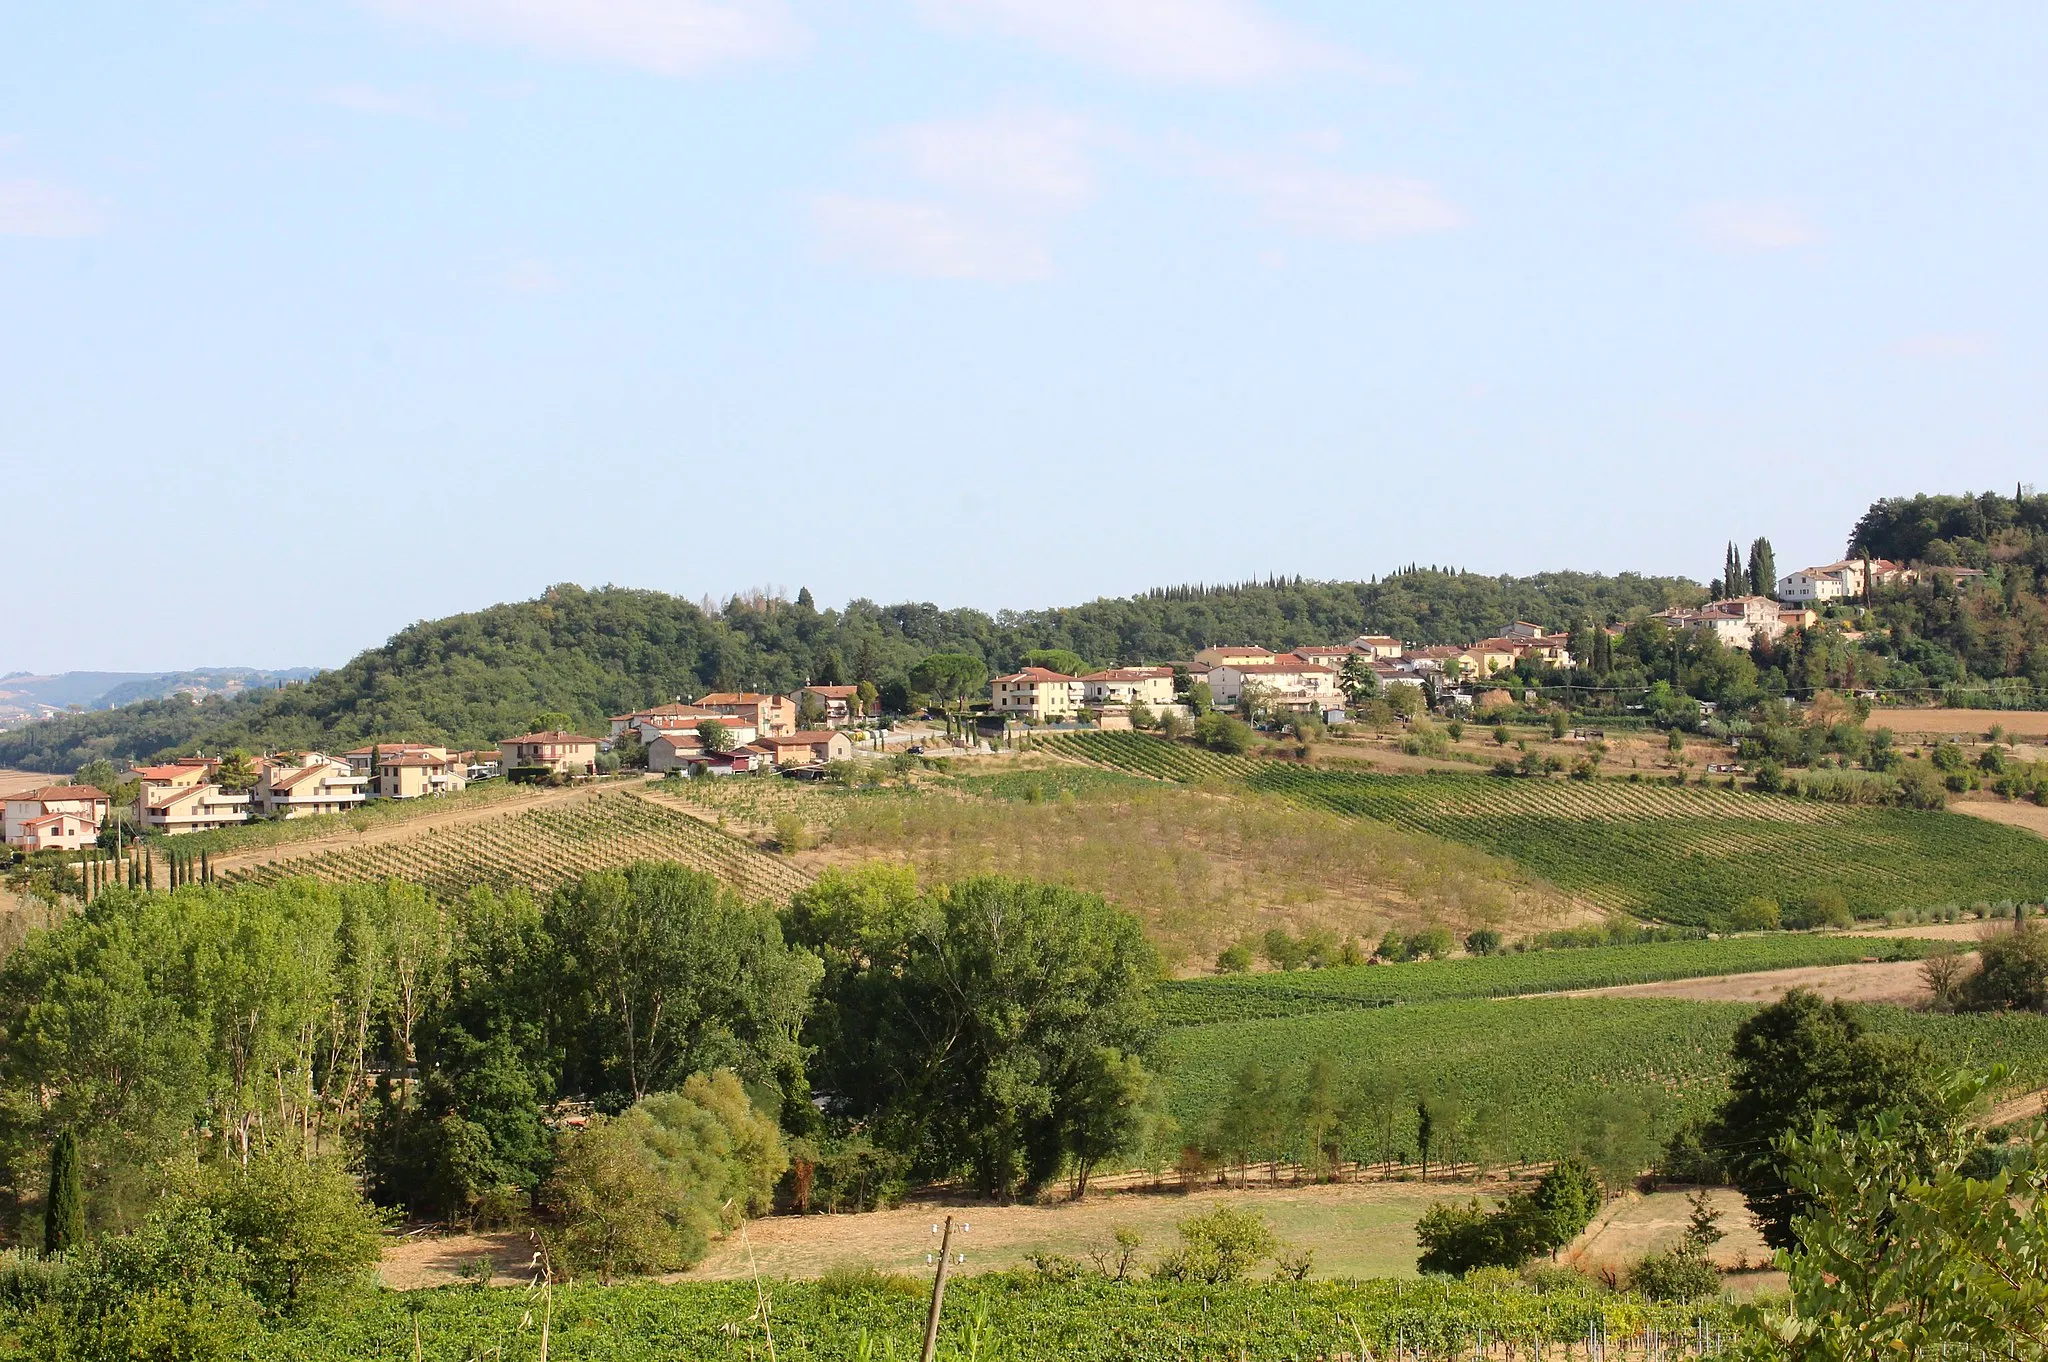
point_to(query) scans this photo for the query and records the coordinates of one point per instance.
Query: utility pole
(931, 1320)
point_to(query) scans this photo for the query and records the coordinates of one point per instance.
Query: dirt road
(1892, 982)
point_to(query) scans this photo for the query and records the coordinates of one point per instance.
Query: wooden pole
(931, 1320)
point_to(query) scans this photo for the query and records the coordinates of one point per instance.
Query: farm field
(999, 1317)
(1241, 997)
(1201, 868)
(543, 847)
(1535, 1076)
(1896, 982)
(1657, 851)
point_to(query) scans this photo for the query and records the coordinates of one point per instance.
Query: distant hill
(471, 679)
(25, 697)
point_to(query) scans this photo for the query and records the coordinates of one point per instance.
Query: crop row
(545, 847)
(1001, 1318)
(1190, 1002)
(1539, 1077)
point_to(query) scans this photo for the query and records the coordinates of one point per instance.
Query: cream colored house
(194, 808)
(409, 770)
(650, 724)
(1243, 656)
(1846, 580)
(815, 747)
(672, 751)
(1035, 694)
(1736, 622)
(773, 714)
(157, 783)
(1383, 647)
(1288, 685)
(1148, 686)
(67, 816)
(841, 702)
(555, 752)
(315, 785)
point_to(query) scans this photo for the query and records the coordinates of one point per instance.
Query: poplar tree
(1732, 574)
(64, 1207)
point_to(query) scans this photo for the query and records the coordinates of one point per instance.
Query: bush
(1221, 733)
(1821, 908)
(1485, 941)
(1754, 915)
(1222, 1246)
(2012, 971)
(1687, 1159)
(1681, 1274)
(1235, 959)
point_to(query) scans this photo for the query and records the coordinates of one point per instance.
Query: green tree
(1061, 660)
(1223, 1245)
(1220, 733)
(1756, 914)
(1358, 681)
(299, 1222)
(551, 721)
(810, 712)
(1114, 1107)
(611, 1201)
(64, 1199)
(2012, 971)
(1733, 577)
(714, 735)
(1797, 1063)
(965, 1021)
(236, 771)
(1763, 568)
(950, 677)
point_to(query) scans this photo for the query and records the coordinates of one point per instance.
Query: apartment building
(311, 786)
(551, 753)
(1036, 694)
(192, 808)
(1149, 686)
(409, 770)
(840, 702)
(1245, 655)
(1292, 684)
(66, 816)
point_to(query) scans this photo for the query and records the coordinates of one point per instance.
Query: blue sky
(322, 317)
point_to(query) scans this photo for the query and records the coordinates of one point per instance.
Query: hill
(470, 679)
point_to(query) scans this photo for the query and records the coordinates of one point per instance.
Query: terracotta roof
(1341, 650)
(171, 772)
(48, 792)
(659, 712)
(1129, 674)
(1277, 668)
(816, 737)
(736, 697)
(46, 818)
(552, 736)
(303, 773)
(834, 692)
(1038, 674)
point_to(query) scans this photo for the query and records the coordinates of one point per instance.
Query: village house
(649, 724)
(841, 703)
(812, 748)
(1383, 647)
(1849, 579)
(767, 713)
(310, 786)
(1334, 657)
(1736, 622)
(1524, 630)
(673, 751)
(1149, 686)
(1036, 694)
(409, 770)
(191, 808)
(66, 816)
(552, 753)
(1245, 656)
(735, 762)
(158, 782)
(1293, 685)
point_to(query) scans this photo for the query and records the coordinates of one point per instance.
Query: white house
(1036, 693)
(1149, 686)
(1846, 580)
(1736, 622)
(1289, 685)
(316, 785)
(193, 808)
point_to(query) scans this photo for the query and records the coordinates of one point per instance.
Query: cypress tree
(1732, 575)
(64, 1208)
(149, 870)
(1763, 568)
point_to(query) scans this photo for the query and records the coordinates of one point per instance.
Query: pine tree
(1763, 568)
(64, 1208)
(1732, 575)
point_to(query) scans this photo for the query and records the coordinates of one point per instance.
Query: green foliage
(1754, 914)
(1220, 733)
(1221, 1246)
(1680, 1275)
(1235, 959)
(966, 1020)
(64, 1197)
(1062, 660)
(298, 1222)
(1797, 1062)
(2012, 970)
(715, 736)
(1686, 856)
(1458, 1239)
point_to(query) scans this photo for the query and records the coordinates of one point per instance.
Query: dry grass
(1898, 982)
(1201, 868)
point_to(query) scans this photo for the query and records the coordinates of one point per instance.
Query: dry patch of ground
(1354, 1229)
(1897, 982)
(1631, 1227)
(2014, 813)
(1951, 723)
(1934, 931)
(12, 779)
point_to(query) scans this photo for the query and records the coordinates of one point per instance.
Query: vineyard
(545, 847)
(1681, 855)
(1534, 1074)
(1192, 1002)
(1001, 1317)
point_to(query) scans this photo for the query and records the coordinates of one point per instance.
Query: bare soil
(13, 779)
(1950, 723)
(1629, 1227)
(1354, 1229)
(1896, 982)
(2014, 813)
(1936, 931)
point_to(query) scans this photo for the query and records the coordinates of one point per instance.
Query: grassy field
(543, 847)
(1680, 855)
(1532, 1078)
(1243, 997)
(1201, 868)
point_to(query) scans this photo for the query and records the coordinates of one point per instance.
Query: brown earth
(1629, 1227)
(1950, 723)
(1972, 930)
(12, 779)
(2014, 813)
(1354, 1229)
(1896, 982)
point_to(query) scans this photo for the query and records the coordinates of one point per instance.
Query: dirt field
(1953, 723)
(2014, 813)
(1935, 931)
(1635, 1225)
(1364, 1230)
(12, 780)
(1895, 982)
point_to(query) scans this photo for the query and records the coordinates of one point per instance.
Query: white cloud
(1337, 203)
(358, 97)
(1757, 226)
(1201, 42)
(1031, 161)
(38, 208)
(928, 239)
(671, 37)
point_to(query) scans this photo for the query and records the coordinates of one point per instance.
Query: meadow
(541, 848)
(1534, 1078)
(1685, 855)
(1189, 1002)
(1201, 868)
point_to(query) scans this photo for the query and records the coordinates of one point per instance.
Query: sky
(319, 317)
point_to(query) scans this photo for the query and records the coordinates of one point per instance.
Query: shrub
(1754, 915)
(1485, 941)
(1234, 959)
(1221, 733)
(1222, 1246)
(2012, 971)
(1680, 1274)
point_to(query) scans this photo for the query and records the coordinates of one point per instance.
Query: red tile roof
(834, 692)
(816, 737)
(553, 736)
(1036, 674)
(736, 697)
(49, 792)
